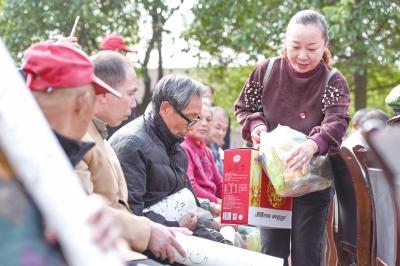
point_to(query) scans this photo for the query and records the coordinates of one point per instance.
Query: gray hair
(205, 103)
(306, 17)
(375, 114)
(216, 110)
(111, 67)
(358, 116)
(177, 90)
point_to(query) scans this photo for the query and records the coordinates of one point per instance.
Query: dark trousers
(304, 241)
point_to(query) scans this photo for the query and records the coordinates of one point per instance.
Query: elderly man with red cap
(115, 42)
(64, 85)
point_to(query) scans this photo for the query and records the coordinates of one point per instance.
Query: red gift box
(248, 196)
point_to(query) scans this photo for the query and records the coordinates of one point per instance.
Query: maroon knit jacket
(297, 100)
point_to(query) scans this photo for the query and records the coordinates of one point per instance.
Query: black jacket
(153, 162)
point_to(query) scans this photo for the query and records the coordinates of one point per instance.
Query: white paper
(43, 168)
(209, 253)
(175, 206)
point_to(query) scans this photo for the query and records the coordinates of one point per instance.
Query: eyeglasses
(190, 122)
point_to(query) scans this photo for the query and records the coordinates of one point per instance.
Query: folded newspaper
(202, 252)
(175, 206)
(209, 253)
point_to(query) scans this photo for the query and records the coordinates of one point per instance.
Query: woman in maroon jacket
(296, 95)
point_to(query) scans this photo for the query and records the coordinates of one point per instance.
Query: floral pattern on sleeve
(252, 96)
(248, 106)
(335, 106)
(331, 96)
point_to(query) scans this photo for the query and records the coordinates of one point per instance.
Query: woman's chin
(302, 69)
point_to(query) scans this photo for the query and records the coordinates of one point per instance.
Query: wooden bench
(355, 210)
(329, 256)
(384, 218)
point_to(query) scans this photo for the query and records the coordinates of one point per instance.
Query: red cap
(53, 66)
(114, 42)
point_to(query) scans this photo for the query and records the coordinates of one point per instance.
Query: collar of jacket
(162, 131)
(192, 142)
(74, 149)
(101, 127)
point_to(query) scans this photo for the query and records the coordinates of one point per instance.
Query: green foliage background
(24, 22)
(365, 36)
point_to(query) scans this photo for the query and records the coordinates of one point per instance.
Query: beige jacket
(101, 173)
(5, 169)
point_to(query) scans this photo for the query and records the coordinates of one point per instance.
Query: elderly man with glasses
(153, 162)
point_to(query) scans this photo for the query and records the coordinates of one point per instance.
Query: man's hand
(216, 209)
(163, 243)
(255, 135)
(70, 41)
(189, 221)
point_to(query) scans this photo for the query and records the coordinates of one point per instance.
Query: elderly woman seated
(202, 170)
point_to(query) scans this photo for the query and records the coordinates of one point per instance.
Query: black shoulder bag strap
(272, 62)
(268, 71)
(328, 77)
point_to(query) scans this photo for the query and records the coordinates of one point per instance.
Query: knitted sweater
(297, 100)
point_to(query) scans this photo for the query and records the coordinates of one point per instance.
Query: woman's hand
(301, 155)
(255, 135)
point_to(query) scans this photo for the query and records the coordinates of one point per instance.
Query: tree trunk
(360, 82)
(160, 62)
(146, 77)
(158, 21)
(140, 108)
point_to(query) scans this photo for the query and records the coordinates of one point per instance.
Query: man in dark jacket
(153, 162)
